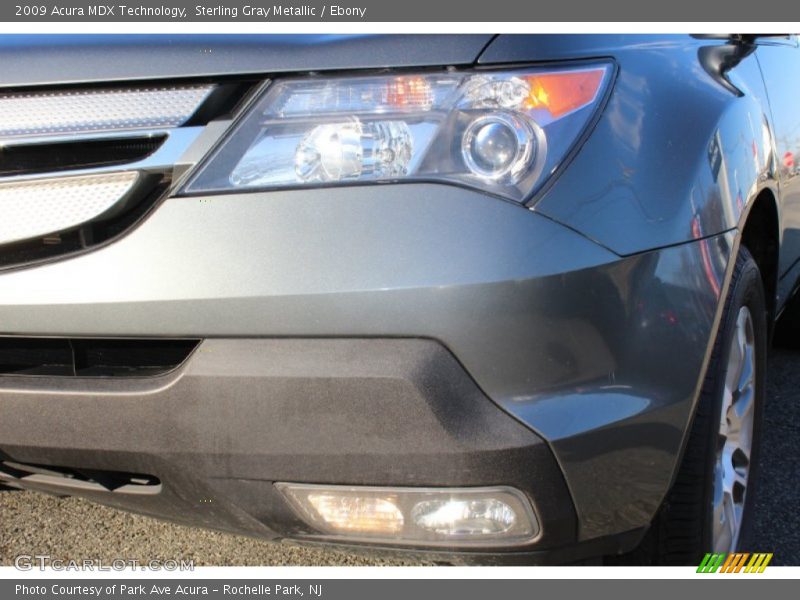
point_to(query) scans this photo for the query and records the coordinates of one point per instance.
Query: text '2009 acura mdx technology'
(467, 298)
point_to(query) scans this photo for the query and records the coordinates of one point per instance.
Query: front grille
(99, 110)
(52, 139)
(90, 234)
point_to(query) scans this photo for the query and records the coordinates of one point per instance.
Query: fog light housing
(490, 516)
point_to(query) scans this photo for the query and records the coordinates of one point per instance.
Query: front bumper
(242, 414)
(599, 356)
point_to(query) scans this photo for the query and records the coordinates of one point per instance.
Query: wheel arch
(760, 234)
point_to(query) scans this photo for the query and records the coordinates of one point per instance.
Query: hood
(29, 60)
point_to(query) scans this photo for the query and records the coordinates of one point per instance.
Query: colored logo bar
(735, 562)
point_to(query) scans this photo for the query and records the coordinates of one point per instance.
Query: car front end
(305, 318)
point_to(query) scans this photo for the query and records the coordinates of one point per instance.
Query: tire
(683, 530)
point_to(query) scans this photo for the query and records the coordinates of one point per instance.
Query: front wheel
(734, 457)
(711, 504)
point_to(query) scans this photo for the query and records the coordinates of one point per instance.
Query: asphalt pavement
(72, 529)
(778, 520)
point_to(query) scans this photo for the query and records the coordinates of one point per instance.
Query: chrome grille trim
(176, 142)
(59, 196)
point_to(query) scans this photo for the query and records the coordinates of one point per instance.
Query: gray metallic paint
(536, 315)
(29, 60)
(652, 183)
(786, 124)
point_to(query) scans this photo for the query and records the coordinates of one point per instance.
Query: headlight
(503, 132)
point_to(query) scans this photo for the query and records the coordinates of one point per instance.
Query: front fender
(677, 153)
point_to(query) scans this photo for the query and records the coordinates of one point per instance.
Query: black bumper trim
(242, 414)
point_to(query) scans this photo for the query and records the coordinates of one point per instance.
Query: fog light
(353, 513)
(464, 517)
(420, 516)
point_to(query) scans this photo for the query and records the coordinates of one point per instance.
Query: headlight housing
(499, 131)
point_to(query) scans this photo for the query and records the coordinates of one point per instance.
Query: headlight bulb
(348, 150)
(330, 153)
(500, 146)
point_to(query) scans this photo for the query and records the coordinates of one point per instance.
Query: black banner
(733, 588)
(406, 11)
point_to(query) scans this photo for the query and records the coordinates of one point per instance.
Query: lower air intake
(87, 357)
